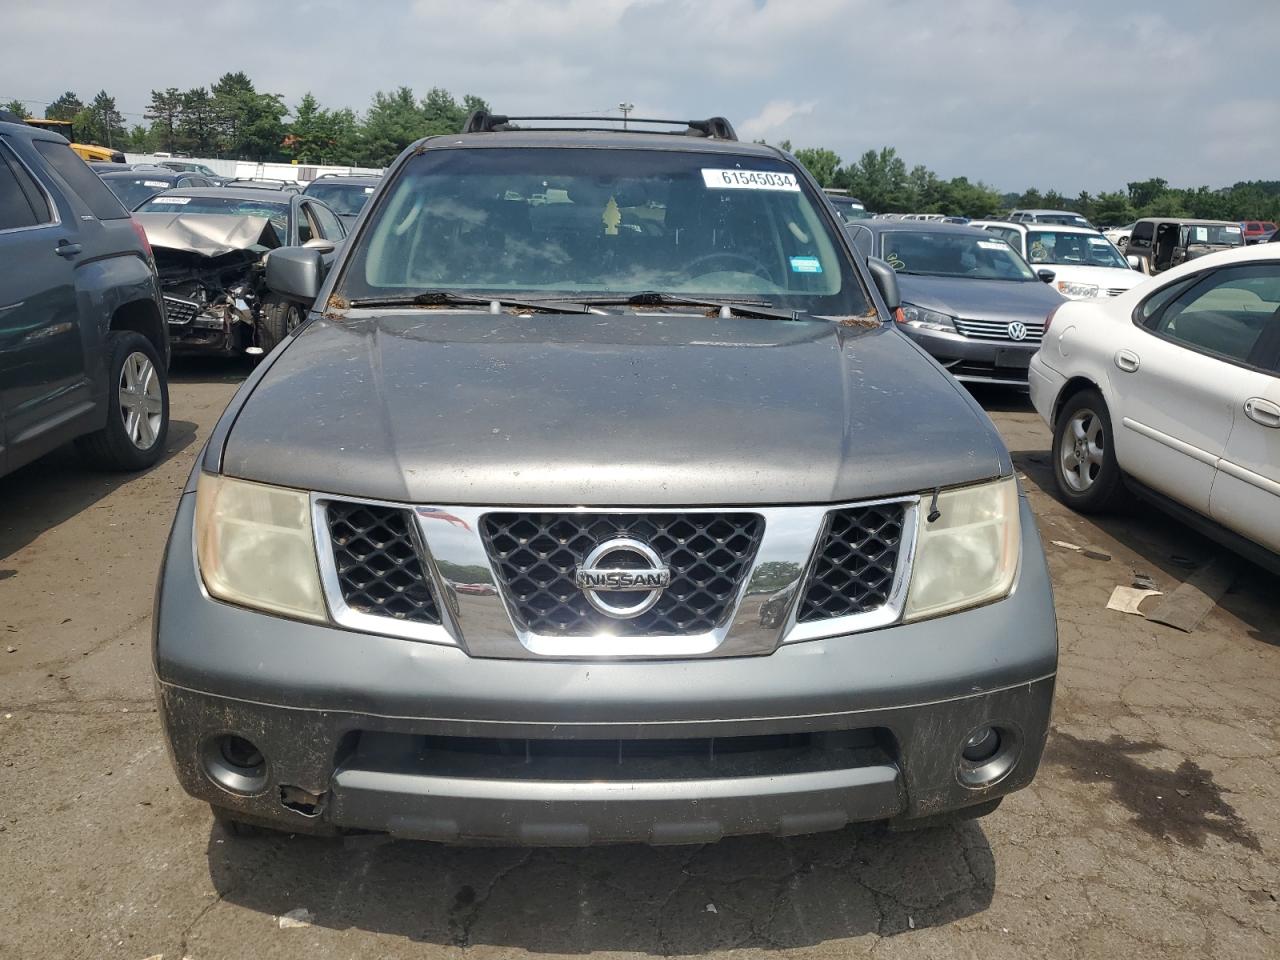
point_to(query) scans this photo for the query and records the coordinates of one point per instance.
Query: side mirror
(1134, 262)
(295, 272)
(1046, 275)
(886, 280)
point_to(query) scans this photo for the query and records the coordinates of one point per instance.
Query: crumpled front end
(211, 274)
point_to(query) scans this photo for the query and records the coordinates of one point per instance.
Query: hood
(1005, 300)
(623, 410)
(208, 234)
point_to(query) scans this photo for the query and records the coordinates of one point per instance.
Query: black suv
(83, 344)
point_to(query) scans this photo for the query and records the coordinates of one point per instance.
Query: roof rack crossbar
(482, 121)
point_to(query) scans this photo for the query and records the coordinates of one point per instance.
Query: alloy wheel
(141, 405)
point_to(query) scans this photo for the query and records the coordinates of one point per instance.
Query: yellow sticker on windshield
(611, 217)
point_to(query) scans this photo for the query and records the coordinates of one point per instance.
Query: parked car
(1163, 242)
(1172, 391)
(493, 546)
(199, 169)
(346, 195)
(1063, 218)
(849, 208)
(135, 187)
(1119, 235)
(83, 346)
(1084, 262)
(1257, 231)
(968, 298)
(210, 247)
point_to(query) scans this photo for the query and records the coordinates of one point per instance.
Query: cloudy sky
(1069, 94)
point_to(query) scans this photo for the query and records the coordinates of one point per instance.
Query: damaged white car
(210, 247)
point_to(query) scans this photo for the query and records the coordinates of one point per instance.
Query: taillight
(1049, 319)
(142, 236)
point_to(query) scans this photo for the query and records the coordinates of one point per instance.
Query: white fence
(301, 173)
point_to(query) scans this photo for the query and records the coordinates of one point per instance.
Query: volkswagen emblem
(623, 566)
(1017, 331)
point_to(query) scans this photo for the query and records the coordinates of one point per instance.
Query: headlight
(969, 555)
(255, 546)
(915, 316)
(1077, 291)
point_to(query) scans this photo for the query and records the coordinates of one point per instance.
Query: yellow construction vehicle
(86, 151)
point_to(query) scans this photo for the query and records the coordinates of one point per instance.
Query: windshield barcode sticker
(177, 200)
(155, 183)
(806, 265)
(993, 245)
(749, 180)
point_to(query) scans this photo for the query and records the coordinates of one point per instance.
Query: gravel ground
(1151, 830)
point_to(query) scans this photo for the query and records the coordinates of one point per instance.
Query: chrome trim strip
(1173, 443)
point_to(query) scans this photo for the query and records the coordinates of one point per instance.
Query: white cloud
(774, 116)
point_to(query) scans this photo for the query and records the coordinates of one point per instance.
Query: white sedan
(1172, 391)
(1085, 264)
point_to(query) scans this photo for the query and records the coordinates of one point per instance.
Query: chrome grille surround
(478, 615)
(998, 330)
(178, 311)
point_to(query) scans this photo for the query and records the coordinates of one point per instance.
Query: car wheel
(138, 406)
(1084, 458)
(279, 319)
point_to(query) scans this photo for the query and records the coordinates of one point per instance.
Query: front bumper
(971, 360)
(422, 741)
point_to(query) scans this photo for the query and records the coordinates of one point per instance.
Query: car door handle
(66, 249)
(1263, 412)
(1127, 361)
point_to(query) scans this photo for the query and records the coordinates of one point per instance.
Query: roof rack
(715, 128)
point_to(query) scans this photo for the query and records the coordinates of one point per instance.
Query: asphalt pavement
(1153, 829)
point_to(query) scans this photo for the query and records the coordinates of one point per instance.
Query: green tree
(198, 126)
(822, 163)
(879, 179)
(393, 122)
(64, 108)
(165, 114)
(1111, 209)
(16, 107)
(1143, 193)
(441, 113)
(107, 120)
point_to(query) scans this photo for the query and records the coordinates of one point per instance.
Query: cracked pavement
(1151, 830)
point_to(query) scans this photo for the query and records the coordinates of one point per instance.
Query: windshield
(586, 222)
(1228, 235)
(938, 254)
(277, 213)
(1072, 249)
(132, 191)
(347, 199)
(850, 210)
(1062, 219)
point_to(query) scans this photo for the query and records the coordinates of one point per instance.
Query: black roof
(127, 174)
(355, 179)
(600, 139)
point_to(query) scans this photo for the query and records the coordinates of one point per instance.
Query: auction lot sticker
(177, 200)
(749, 180)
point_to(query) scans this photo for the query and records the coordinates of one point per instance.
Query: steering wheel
(753, 265)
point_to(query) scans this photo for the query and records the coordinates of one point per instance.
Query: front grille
(997, 330)
(180, 311)
(536, 557)
(380, 572)
(855, 566)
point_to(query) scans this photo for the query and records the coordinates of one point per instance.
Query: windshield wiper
(744, 308)
(449, 298)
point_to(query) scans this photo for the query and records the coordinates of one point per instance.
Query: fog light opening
(235, 764)
(987, 755)
(982, 745)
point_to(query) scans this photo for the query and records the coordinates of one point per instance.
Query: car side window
(1142, 234)
(1224, 313)
(86, 184)
(306, 229)
(327, 220)
(21, 202)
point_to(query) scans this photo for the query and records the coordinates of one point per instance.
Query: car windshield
(1072, 249)
(277, 213)
(1229, 235)
(565, 223)
(939, 254)
(1062, 219)
(850, 210)
(347, 199)
(133, 191)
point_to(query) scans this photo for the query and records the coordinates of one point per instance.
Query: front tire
(137, 407)
(279, 319)
(1088, 476)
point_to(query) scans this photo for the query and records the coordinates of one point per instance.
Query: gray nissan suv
(596, 501)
